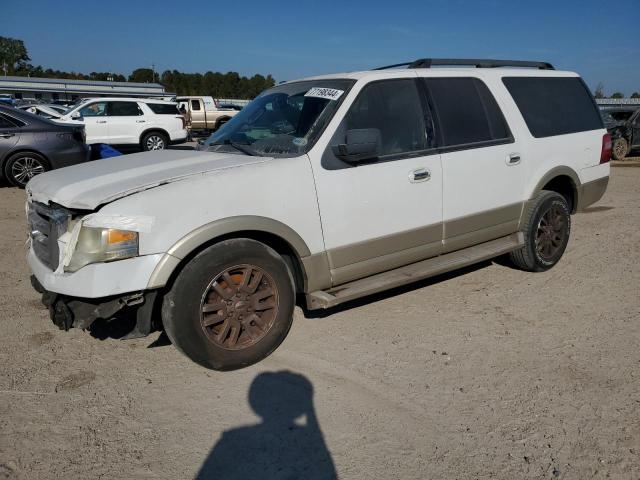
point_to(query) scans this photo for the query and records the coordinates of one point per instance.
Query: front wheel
(23, 166)
(231, 305)
(154, 141)
(546, 228)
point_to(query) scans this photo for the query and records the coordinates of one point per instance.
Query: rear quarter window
(164, 109)
(554, 106)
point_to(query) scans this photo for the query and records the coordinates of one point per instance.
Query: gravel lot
(485, 373)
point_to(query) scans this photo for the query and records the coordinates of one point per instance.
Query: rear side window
(195, 104)
(466, 112)
(554, 106)
(124, 109)
(7, 123)
(164, 109)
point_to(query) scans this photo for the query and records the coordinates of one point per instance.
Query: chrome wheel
(552, 232)
(155, 142)
(239, 307)
(24, 169)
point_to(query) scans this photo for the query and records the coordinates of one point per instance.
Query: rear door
(94, 116)
(9, 135)
(482, 175)
(126, 122)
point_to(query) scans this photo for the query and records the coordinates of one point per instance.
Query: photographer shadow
(287, 444)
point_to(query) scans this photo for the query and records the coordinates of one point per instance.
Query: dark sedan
(30, 144)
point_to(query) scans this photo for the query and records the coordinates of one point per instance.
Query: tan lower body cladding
(381, 254)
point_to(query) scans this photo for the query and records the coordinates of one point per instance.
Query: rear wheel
(546, 228)
(23, 166)
(620, 148)
(154, 141)
(231, 305)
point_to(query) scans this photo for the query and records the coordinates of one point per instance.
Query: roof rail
(474, 62)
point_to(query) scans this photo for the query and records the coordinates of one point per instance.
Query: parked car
(151, 124)
(624, 126)
(204, 113)
(31, 145)
(326, 190)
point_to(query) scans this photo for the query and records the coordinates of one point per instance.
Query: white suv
(324, 190)
(151, 124)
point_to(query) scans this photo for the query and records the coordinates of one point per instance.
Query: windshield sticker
(299, 142)
(326, 93)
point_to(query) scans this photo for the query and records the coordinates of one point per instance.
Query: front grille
(46, 224)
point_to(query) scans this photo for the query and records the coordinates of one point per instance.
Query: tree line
(599, 93)
(14, 60)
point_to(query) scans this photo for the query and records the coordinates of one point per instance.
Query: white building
(52, 89)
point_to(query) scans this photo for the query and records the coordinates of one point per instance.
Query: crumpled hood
(89, 185)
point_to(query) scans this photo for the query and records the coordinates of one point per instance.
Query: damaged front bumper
(72, 312)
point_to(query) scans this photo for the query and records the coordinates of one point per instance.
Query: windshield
(284, 121)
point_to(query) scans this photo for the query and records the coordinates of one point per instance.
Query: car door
(126, 122)
(94, 117)
(635, 134)
(386, 213)
(9, 135)
(198, 119)
(482, 175)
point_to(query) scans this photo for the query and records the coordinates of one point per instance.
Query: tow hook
(61, 314)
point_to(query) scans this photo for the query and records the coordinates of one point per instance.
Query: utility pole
(153, 72)
(4, 67)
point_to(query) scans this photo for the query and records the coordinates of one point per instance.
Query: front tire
(620, 149)
(231, 305)
(546, 228)
(154, 141)
(23, 166)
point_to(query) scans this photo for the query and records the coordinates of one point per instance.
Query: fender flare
(220, 228)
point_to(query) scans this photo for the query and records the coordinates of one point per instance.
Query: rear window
(554, 106)
(164, 109)
(124, 109)
(466, 112)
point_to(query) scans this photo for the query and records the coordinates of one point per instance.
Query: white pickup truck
(205, 113)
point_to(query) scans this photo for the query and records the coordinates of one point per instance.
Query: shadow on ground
(286, 444)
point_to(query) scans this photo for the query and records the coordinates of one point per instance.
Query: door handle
(513, 159)
(7, 135)
(101, 121)
(140, 121)
(419, 175)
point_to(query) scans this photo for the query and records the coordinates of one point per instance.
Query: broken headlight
(102, 245)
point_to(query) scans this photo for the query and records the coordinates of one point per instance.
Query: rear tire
(23, 166)
(154, 141)
(620, 149)
(231, 305)
(546, 228)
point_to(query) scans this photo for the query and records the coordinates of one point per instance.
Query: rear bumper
(590, 192)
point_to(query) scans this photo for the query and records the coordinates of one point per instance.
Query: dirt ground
(486, 373)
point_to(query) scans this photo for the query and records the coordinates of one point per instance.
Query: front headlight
(102, 245)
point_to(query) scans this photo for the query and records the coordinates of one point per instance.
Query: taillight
(605, 154)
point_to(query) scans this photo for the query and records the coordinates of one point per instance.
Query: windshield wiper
(242, 147)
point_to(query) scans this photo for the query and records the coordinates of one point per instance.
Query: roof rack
(474, 62)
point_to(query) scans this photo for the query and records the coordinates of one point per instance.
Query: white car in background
(151, 124)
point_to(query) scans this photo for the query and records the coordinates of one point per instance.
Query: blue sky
(292, 39)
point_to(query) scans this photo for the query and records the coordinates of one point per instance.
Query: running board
(414, 272)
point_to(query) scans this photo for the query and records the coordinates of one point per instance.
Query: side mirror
(360, 145)
(76, 115)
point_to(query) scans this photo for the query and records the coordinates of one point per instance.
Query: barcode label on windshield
(326, 93)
